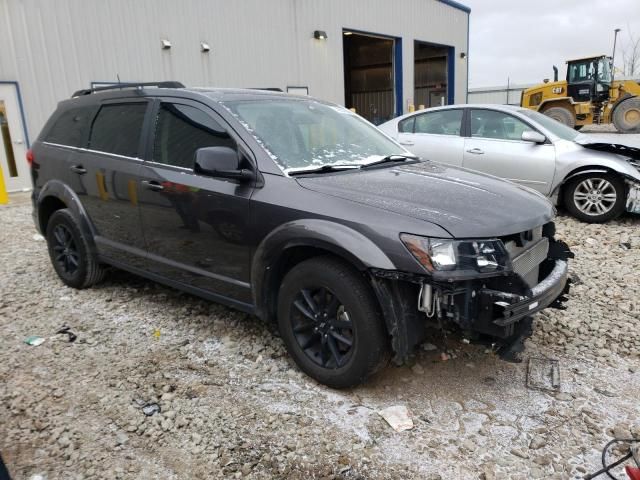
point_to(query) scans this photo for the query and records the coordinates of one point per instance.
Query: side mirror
(533, 137)
(221, 162)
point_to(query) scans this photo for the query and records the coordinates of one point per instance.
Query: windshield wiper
(322, 169)
(391, 158)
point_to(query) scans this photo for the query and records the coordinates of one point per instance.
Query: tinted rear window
(117, 129)
(71, 127)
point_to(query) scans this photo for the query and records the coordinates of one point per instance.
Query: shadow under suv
(297, 211)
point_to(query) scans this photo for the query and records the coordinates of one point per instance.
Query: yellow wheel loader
(588, 96)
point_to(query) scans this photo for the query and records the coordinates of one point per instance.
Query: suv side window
(117, 129)
(71, 127)
(183, 129)
(498, 125)
(442, 122)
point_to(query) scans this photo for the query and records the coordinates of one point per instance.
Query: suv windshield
(557, 128)
(304, 134)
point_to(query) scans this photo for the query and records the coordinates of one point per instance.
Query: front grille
(525, 262)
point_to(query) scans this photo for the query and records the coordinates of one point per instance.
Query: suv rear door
(107, 172)
(195, 226)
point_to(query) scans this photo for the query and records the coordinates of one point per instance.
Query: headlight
(458, 258)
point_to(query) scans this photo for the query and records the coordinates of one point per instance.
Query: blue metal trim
(467, 59)
(457, 5)
(397, 63)
(451, 76)
(21, 107)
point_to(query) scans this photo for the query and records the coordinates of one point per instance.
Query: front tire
(71, 256)
(331, 323)
(595, 197)
(562, 115)
(626, 116)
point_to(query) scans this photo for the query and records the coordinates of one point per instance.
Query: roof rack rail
(119, 86)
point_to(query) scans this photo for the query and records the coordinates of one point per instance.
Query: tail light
(30, 157)
(633, 472)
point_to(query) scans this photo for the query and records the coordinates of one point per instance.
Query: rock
(564, 397)
(417, 369)
(537, 442)
(622, 431)
(121, 438)
(543, 460)
(519, 453)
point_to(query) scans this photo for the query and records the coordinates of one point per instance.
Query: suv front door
(495, 146)
(195, 226)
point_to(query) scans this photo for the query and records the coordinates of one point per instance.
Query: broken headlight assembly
(458, 259)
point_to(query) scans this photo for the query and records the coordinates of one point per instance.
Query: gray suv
(297, 211)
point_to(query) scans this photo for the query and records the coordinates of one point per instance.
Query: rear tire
(595, 197)
(71, 256)
(626, 116)
(331, 323)
(562, 115)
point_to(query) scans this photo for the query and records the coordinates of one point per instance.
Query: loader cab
(589, 79)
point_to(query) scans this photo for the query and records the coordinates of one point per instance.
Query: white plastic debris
(38, 238)
(398, 417)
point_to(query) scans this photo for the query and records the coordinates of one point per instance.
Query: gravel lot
(232, 403)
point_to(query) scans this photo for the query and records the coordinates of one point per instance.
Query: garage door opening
(431, 71)
(370, 76)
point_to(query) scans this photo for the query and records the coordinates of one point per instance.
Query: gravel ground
(233, 405)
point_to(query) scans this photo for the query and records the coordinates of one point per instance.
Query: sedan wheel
(595, 198)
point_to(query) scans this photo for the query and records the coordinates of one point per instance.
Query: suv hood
(465, 203)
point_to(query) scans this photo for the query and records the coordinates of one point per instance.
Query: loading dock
(372, 79)
(432, 69)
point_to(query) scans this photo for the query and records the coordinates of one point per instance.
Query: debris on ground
(151, 409)
(34, 340)
(66, 330)
(398, 417)
(543, 373)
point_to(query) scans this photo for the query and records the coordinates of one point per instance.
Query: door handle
(79, 169)
(152, 185)
(476, 151)
(407, 143)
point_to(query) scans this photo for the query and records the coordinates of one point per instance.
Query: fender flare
(333, 237)
(62, 192)
(553, 100)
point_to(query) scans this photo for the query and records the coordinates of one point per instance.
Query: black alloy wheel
(65, 251)
(322, 327)
(330, 321)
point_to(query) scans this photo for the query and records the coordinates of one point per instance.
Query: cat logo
(557, 90)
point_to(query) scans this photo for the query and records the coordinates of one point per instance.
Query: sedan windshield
(555, 127)
(302, 134)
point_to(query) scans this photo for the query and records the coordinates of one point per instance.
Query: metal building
(504, 94)
(377, 56)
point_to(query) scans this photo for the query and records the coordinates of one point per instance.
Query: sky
(522, 39)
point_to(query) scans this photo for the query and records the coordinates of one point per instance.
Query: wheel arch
(300, 240)
(564, 102)
(54, 196)
(582, 170)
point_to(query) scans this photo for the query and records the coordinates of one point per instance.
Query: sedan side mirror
(533, 137)
(221, 162)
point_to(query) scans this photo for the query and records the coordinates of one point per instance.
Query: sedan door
(196, 226)
(495, 146)
(434, 135)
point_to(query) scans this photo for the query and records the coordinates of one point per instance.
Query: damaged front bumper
(496, 311)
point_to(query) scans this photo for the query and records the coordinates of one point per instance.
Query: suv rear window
(71, 127)
(117, 129)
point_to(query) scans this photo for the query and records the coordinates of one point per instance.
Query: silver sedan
(595, 181)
